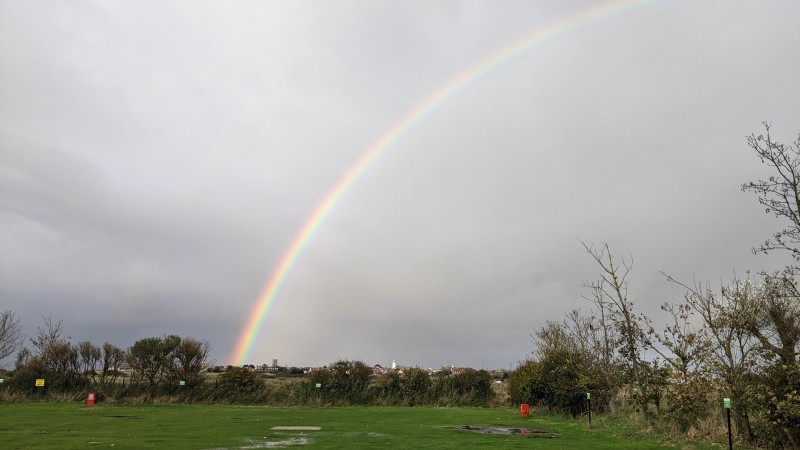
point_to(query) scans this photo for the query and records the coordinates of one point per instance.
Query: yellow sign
(39, 382)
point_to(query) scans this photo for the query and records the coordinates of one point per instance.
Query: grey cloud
(157, 159)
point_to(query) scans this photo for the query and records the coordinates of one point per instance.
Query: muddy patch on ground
(506, 431)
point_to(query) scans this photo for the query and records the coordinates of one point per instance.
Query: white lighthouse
(394, 365)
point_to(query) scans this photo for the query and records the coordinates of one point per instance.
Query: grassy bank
(72, 425)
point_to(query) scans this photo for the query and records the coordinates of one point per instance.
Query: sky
(159, 158)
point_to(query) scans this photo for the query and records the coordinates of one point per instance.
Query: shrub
(414, 385)
(344, 382)
(688, 403)
(468, 388)
(238, 384)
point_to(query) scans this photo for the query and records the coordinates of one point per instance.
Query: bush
(559, 384)
(414, 385)
(239, 385)
(468, 388)
(688, 403)
(344, 382)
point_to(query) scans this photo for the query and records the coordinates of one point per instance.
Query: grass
(72, 425)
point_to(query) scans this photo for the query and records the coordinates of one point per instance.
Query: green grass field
(71, 425)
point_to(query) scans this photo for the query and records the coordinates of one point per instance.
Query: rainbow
(255, 320)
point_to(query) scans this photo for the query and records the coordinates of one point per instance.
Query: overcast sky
(158, 158)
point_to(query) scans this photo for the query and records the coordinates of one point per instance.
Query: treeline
(352, 383)
(172, 369)
(739, 341)
(65, 367)
(176, 369)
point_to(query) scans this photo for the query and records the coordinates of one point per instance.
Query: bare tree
(10, 334)
(603, 336)
(683, 345)
(780, 193)
(48, 334)
(612, 291)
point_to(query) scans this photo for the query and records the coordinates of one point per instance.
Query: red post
(90, 399)
(524, 410)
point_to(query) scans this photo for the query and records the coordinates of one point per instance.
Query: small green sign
(726, 403)
(588, 396)
(183, 383)
(319, 385)
(1, 381)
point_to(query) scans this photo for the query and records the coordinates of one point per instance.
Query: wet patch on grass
(280, 444)
(253, 443)
(506, 431)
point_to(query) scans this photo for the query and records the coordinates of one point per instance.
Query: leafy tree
(774, 314)
(90, 355)
(151, 358)
(567, 366)
(189, 360)
(63, 364)
(732, 353)
(111, 359)
(773, 318)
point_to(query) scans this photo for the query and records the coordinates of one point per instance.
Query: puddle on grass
(365, 433)
(281, 444)
(126, 417)
(273, 444)
(507, 431)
